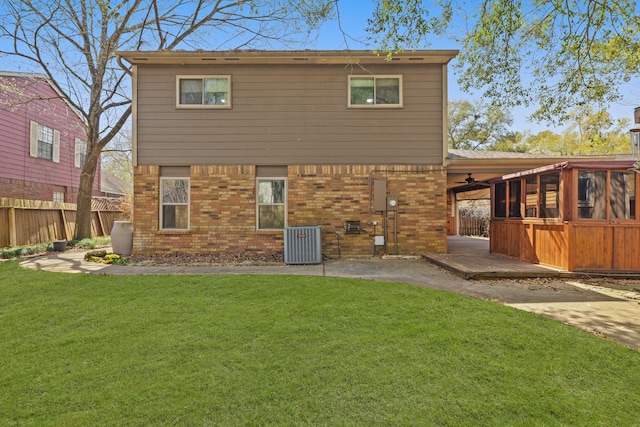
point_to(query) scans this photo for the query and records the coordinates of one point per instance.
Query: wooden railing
(33, 222)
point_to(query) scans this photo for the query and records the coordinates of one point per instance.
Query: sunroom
(575, 216)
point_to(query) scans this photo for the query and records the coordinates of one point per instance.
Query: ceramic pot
(122, 238)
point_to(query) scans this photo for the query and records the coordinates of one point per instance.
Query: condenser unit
(302, 245)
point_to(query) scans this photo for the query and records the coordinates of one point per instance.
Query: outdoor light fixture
(635, 141)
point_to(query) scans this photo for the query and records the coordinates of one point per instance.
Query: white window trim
(200, 106)
(188, 203)
(258, 204)
(377, 76)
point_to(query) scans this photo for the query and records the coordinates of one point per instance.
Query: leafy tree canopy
(550, 54)
(476, 125)
(589, 132)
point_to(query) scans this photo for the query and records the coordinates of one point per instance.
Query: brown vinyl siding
(290, 114)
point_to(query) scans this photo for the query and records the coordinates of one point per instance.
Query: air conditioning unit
(302, 245)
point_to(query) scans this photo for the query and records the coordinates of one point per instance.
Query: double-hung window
(271, 203)
(80, 153)
(44, 142)
(375, 91)
(203, 91)
(174, 201)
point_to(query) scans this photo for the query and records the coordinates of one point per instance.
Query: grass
(80, 350)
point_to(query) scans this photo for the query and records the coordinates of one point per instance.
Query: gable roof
(38, 77)
(110, 183)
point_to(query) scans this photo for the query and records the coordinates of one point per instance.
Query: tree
(547, 143)
(590, 132)
(476, 126)
(511, 142)
(74, 43)
(116, 156)
(595, 133)
(551, 54)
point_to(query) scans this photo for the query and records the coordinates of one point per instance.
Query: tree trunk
(85, 193)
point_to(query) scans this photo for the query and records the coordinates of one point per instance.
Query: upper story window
(44, 142)
(375, 91)
(203, 91)
(80, 153)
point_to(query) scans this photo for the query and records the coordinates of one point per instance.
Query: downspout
(132, 72)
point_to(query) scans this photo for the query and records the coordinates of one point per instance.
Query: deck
(470, 258)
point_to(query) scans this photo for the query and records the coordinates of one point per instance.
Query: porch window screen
(531, 197)
(592, 191)
(623, 195)
(515, 197)
(550, 195)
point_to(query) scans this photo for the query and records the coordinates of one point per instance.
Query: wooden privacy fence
(33, 222)
(473, 226)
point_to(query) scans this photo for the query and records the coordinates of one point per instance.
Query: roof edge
(286, 57)
(588, 165)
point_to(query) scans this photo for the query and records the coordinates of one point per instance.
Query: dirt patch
(562, 285)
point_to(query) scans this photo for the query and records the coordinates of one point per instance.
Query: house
(579, 216)
(43, 141)
(231, 148)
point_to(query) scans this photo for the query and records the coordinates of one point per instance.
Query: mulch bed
(193, 259)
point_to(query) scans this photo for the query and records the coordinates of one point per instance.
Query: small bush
(91, 243)
(19, 251)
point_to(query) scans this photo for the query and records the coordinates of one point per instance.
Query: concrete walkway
(614, 314)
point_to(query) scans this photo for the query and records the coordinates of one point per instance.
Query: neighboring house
(42, 140)
(232, 147)
(113, 187)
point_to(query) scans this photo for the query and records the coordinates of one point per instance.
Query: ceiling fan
(469, 180)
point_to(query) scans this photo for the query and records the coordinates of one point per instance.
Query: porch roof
(596, 164)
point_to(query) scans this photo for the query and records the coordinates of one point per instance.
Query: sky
(353, 21)
(349, 33)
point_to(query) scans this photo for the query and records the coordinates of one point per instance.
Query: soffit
(285, 57)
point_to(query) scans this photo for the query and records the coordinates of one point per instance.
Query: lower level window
(58, 196)
(174, 210)
(271, 210)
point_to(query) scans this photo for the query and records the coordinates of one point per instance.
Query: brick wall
(223, 210)
(31, 190)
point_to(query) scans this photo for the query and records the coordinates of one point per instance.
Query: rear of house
(230, 148)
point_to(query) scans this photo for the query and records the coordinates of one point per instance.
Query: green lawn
(80, 350)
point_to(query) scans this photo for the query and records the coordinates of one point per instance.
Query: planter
(59, 245)
(122, 238)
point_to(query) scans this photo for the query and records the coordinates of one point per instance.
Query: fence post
(101, 221)
(67, 232)
(13, 237)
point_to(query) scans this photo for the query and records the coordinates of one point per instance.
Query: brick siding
(31, 190)
(223, 210)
